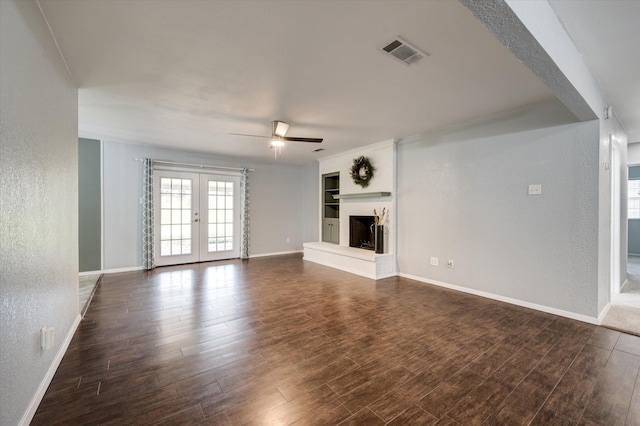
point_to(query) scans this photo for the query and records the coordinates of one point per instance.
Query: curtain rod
(202, 166)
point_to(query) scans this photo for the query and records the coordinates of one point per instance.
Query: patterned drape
(148, 261)
(244, 214)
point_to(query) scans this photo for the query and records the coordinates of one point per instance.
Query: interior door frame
(616, 192)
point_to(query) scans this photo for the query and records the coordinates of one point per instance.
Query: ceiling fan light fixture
(280, 128)
(277, 142)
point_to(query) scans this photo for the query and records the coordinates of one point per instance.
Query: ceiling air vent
(404, 52)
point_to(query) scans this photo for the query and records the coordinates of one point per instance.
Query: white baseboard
(624, 284)
(604, 313)
(87, 273)
(542, 308)
(141, 268)
(129, 269)
(274, 254)
(46, 381)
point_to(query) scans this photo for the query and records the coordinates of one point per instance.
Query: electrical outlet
(433, 261)
(450, 264)
(535, 190)
(288, 240)
(47, 338)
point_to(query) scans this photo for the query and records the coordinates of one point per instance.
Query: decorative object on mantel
(379, 230)
(379, 219)
(362, 171)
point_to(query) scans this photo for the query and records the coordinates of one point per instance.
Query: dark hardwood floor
(281, 341)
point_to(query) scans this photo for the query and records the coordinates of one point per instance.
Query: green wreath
(362, 171)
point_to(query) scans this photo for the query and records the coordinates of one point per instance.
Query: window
(634, 199)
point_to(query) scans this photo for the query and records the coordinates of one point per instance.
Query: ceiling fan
(278, 132)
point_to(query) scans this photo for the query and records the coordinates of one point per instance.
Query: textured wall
(462, 195)
(38, 203)
(276, 197)
(310, 203)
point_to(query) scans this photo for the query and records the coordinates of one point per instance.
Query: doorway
(197, 217)
(89, 220)
(624, 313)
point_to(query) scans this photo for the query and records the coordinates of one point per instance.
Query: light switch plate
(535, 189)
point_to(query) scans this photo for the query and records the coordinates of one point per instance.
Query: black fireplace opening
(361, 232)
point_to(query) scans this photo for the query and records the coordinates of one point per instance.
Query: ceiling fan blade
(253, 136)
(292, 139)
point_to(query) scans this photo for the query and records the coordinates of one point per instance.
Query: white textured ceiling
(607, 34)
(185, 74)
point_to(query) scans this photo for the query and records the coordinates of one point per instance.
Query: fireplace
(361, 229)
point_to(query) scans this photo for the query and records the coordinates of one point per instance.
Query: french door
(197, 217)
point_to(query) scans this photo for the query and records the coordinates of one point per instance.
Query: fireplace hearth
(361, 232)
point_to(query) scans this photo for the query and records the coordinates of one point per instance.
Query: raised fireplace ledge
(357, 261)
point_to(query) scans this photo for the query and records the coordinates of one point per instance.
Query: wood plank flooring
(281, 341)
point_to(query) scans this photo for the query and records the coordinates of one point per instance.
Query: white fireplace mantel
(362, 195)
(358, 201)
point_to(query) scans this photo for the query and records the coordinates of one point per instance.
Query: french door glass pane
(220, 217)
(175, 216)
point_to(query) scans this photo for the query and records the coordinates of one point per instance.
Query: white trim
(46, 381)
(117, 270)
(517, 302)
(394, 207)
(55, 41)
(252, 256)
(101, 204)
(615, 184)
(624, 284)
(87, 273)
(604, 313)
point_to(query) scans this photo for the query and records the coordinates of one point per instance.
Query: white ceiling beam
(532, 32)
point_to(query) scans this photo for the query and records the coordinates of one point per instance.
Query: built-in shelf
(331, 208)
(362, 195)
